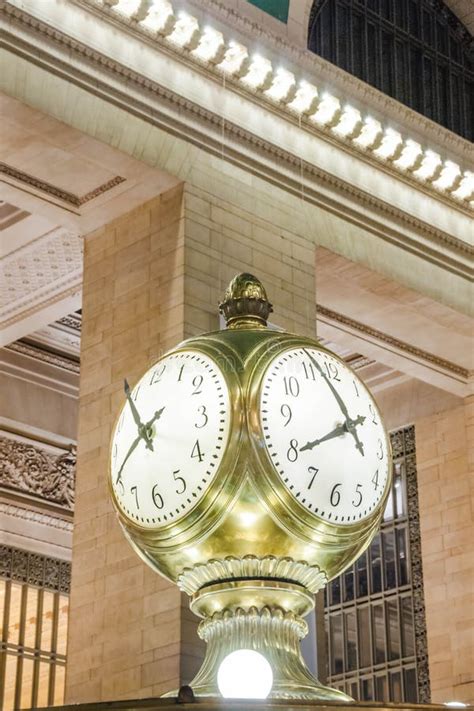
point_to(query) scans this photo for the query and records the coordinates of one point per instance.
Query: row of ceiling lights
(301, 98)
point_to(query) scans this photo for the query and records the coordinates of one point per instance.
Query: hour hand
(336, 432)
(351, 428)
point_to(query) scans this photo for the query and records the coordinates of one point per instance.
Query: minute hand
(339, 399)
(350, 424)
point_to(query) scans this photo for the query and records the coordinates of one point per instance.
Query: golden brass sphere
(248, 554)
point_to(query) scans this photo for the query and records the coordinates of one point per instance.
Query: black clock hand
(339, 399)
(351, 428)
(336, 432)
(130, 451)
(350, 423)
(142, 429)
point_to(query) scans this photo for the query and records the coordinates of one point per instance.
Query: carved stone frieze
(54, 191)
(407, 435)
(32, 470)
(179, 115)
(34, 569)
(44, 356)
(422, 355)
(42, 270)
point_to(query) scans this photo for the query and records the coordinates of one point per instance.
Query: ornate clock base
(273, 630)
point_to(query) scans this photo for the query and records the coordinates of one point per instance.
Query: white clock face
(170, 439)
(324, 435)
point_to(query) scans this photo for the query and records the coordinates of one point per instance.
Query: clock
(169, 439)
(324, 435)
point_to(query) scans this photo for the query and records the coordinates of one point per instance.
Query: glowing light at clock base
(245, 674)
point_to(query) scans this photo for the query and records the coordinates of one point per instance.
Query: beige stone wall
(151, 279)
(124, 637)
(445, 465)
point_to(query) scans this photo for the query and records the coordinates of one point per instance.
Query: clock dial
(169, 439)
(324, 435)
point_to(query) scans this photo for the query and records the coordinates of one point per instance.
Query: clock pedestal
(265, 616)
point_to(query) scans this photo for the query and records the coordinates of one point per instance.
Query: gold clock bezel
(214, 502)
(276, 495)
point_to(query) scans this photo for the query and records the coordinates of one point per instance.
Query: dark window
(414, 50)
(371, 608)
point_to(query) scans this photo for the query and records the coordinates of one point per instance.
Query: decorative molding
(164, 38)
(457, 261)
(418, 353)
(44, 270)
(403, 444)
(31, 470)
(39, 517)
(34, 569)
(45, 356)
(73, 321)
(54, 191)
(269, 567)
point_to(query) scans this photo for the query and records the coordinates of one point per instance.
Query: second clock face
(324, 435)
(170, 439)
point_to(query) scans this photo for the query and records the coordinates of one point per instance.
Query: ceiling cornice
(196, 124)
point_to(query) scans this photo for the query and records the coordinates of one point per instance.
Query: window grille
(34, 604)
(416, 51)
(374, 612)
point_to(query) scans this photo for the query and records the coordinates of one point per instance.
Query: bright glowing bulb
(283, 86)
(391, 146)
(455, 704)
(350, 123)
(236, 60)
(465, 190)
(450, 177)
(430, 166)
(160, 18)
(128, 7)
(371, 134)
(211, 48)
(260, 73)
(186, 32)
(329, 111)
(245, 674)
(306, 99)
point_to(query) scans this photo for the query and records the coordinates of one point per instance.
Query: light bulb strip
(300, 97)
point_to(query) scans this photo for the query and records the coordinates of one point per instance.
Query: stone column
(151, 279)
(445, 467)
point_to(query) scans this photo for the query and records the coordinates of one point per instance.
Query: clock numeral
(205, 419)
(332, 371)
(286, 412)
(120, 422)
(135, 393)
(197, 382)
(375, 480)
(313, 471)
(134, 490)
(157, 497)
(179, 478)
(180, 373)
(292, 453)
(380, 449)
(355, 388)
(335, 495)
(196, 452)
(373, 413)
(157, 375)
(292, 386)
(359, 494)
(114, 454)
(309, 371)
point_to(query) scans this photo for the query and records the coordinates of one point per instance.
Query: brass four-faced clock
(250, 466)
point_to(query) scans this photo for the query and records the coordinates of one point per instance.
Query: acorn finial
(245, 303)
